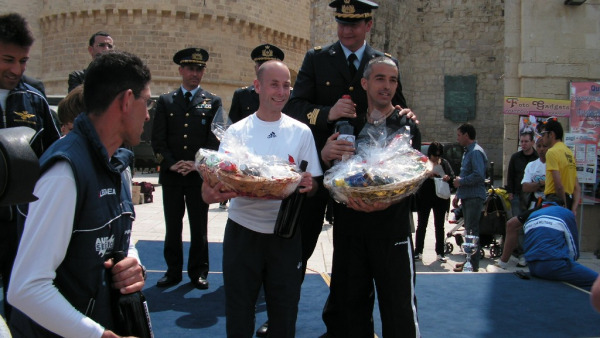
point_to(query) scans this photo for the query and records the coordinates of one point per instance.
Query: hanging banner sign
(585, 108)
(536, 107)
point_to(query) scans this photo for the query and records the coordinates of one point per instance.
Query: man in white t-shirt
(534, 178)
(253, 256)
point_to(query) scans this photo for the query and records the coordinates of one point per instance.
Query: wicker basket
(259, 187)
(382, 193)
(251, 186)
(208, 175)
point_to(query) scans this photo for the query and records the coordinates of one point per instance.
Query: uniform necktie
(188, 96)
(351, 65)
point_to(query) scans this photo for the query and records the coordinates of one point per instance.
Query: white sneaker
(502, 265)
(442, 258)
(418, 257)
(522, 262)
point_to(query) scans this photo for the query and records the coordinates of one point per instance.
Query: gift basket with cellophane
(249, 175)
(385, 168)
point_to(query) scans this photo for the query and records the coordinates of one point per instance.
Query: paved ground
(149, 225)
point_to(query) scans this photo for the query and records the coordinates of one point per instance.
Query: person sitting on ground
(551, 246)
(69, 108)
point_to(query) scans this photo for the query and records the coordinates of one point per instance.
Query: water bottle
(345, 129)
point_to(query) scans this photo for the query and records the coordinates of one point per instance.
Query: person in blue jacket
(552, 248)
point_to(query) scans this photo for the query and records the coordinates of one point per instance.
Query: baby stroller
(457, 231)
(492, 225)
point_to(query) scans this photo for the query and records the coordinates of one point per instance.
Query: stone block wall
(155, 30)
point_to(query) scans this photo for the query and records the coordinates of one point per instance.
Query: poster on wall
(584, 147)
(585, 120)
(585, 108)
(531, 124)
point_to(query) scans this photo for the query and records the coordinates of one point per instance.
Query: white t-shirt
(283, 138)
(46, 237)
(535, 171)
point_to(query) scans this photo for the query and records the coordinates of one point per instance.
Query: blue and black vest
(102, 222)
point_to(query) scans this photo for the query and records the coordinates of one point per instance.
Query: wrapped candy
(385, 169)
(249, 175)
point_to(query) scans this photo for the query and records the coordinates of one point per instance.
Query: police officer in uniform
(245, 100)
(181, 127)
(328, 74)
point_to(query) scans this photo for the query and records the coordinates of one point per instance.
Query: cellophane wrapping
(249, 175)
(385, 168)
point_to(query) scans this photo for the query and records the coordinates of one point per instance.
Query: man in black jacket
(99, 42)
(324, 78)
(21, 105)
(181, 127)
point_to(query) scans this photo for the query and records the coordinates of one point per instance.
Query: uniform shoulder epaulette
(246, 87)
(318, 48)
(388, 55)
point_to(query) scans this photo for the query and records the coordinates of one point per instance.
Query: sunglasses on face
(150, 104)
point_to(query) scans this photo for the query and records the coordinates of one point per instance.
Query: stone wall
(155, 30)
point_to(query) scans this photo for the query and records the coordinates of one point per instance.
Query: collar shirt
(359, 53)
(183, 90)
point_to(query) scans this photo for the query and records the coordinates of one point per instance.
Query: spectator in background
(68, 109)
(534, 179)
(427, 200)
(516, 169)
(470, 185)
(561, 172)
(21, 105)
(99, 42)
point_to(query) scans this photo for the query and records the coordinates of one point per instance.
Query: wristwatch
(143, 271)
